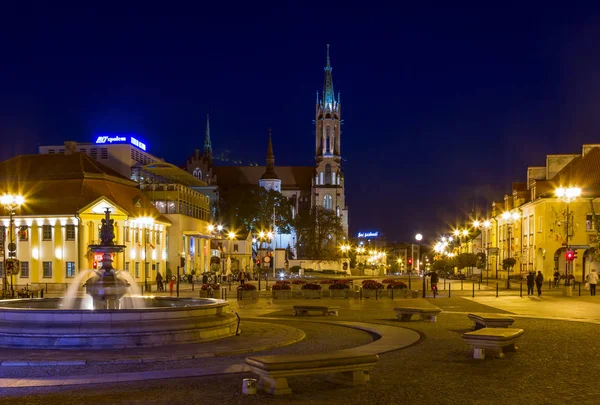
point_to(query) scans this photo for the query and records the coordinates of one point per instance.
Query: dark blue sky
(440, 104)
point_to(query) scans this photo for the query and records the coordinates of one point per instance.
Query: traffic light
(257, 262)
(410, 261)
(570, 256)
(182, 262)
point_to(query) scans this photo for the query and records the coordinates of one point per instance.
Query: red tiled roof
(292, 177)
(64, 184)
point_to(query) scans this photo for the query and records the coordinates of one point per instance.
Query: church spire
(328, 94)
(270, 172)
(207, 145)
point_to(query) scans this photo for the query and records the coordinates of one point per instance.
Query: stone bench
(490, 321)
(348, 367)
(405, 314)
(492, 341)
(324, 309)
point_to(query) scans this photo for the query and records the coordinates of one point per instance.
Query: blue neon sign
(368, 234)
(104, 139)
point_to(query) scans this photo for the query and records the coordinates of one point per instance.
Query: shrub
(398, 285)
(283, 282)
(278, 287)
(311, 286)
(368, 281)
(211, 286)
(327, 282)
(296, 282)
(372, 285)
(388, 281)
(295, 269)
(339, 286)
(247, 287)
(308, 270)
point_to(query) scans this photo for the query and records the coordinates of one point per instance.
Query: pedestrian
(592, 279)
(530, 282)
(434, 279)
(539, 280)
(556, 278)
(159, 283)
(242, 275)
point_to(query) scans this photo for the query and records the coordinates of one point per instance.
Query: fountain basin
(41, 323)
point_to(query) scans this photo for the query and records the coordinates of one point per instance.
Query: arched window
(303, 205)
(337, 210)
(327, 202)
(197, 173)
(328, 174)
(321, 178)
(317, 180)
(338, 178)
(333, 178)
(327, 141)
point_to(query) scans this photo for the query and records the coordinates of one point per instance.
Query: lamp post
(568, 195)
(10, 202)
(509, 218)
(231, 237)
(485, 226)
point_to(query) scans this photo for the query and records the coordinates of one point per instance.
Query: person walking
(242, 275)
(592, 280)
(530, 282)
(556, 278)
(539, 281)
(434, 278)
(159, 282)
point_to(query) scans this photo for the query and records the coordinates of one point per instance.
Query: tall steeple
(270, 172)
(328, 94)
(207, 145)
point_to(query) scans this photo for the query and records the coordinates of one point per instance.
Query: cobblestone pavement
(554, 365)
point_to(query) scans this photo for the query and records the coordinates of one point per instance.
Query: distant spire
(328, 94)
(270, 172)
(207, 144)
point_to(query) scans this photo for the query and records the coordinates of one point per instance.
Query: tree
(247, 208)
(481, 261)
(318, 232)
(508, 263)
(443, 265)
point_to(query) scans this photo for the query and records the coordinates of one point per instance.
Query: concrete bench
(490, 321)
(405, 314)
(492, 341)
(348, 367)
(324, 309)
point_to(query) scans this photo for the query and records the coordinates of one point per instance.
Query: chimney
(70, 147)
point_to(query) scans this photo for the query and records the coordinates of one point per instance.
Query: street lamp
(509, 218)
(419, 237)
(485, 225)
(11, 203)
(568, 195)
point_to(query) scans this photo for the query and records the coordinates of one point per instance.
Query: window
(94, 153)
(46, 232)
(137, 269)
(321, 178)
(531, 225)
(70, 269)
(316, 180)
(47, 269)
(127, 235)
(157, 268)
(589, 223)
(24, 269)
(235, 247)
(338, 178)
(2, 234)
(327, 141)
(71, 232)
(198, 173)
(540, 223)
(51, 151)
(147, 270)
(24, 233)
(103, 153)
(327, 202)
(136, 235)
(327, 174)
(127, 267)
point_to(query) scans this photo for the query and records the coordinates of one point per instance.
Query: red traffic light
(570, 255)
(409, 261)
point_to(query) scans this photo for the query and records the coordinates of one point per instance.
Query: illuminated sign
(368, 234)
(104, 139)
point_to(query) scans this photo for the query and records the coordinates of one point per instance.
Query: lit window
(46, 232)
(328, 202)
(24, 270)
(70, 269)
(71, 232)
(47, 269)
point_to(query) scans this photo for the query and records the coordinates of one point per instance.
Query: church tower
(269, 180)
(328, 189)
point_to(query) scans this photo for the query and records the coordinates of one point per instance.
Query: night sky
(442, 107)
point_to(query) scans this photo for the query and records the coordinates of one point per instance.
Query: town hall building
(305, 186)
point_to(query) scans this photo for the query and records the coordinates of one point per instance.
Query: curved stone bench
(404, 314)
(324, 309)
(492, 341)
(481, 321)
(349, 367)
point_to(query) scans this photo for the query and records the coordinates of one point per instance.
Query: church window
(327, 141)
(333, 178)
(198, 173)
(328, 174)
(337, 210)
(321, 178)
(338, 178)
(327, 202)
(317, 180)
(304, 204)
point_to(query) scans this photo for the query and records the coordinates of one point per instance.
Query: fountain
(54, 323)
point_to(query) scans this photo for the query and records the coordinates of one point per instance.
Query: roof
(57, 187)
(173, 174)
(583, 171)
(292, 177)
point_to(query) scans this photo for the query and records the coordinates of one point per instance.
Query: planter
(338, 293)
(568, 291)
(371, 293)
(248, 295)
(311, 293)
(282, 294)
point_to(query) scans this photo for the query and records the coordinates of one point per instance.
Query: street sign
(583, 247)
(493, 251)
(12, 247)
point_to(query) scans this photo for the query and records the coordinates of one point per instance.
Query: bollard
(449, 288)
(521, 290)
(444, 284)
(473, 290)
(496, 290)
(479, 285)
(249, 386)
(360, 296)
(192, 285)
(42, 293)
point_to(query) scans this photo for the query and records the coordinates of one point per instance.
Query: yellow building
(530, 225)
(65, 200)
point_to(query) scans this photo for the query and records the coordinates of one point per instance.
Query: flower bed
(388, 281)
(368, 281)
(397, 285)
(279, 287)
(311, 286)
(247, 287)
(327, 282)
(205, 287)
(343, 281)
(372, 285)
(282, 282)
(298, 282)
(339, 286)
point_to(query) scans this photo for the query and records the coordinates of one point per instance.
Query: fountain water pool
(101, 319)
